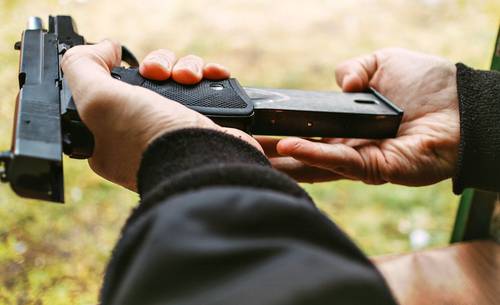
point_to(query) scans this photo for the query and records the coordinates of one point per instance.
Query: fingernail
(163, 62)
(346, 78)
(187, 66)
(195, 68)
(219, 67)
(216, 66)
(352, 82)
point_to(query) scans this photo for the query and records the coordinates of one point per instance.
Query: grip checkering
(209, 94)
(224, 98)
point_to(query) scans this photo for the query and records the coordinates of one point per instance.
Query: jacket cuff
(478, 163)
(191, 159)
(189, 149)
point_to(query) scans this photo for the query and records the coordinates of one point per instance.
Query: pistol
(47, 124)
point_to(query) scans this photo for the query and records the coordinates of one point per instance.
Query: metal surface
(319, 101)
(35, 23)
(290, 112)
(35, 167)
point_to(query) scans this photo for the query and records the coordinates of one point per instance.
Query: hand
(426, 147)
(125, 119)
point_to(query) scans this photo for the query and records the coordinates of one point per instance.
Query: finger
(355, 74)
(158, 64)
(339, 158)
(102, 57)
(87, 68)
(188, 70)
(215, 71)
(303, 173)
(269, 145)
(350, 142)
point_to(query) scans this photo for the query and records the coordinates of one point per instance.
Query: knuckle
(111, 43)
(110, 54)
(374, 164)
(72, 55)
(366, 175)
(296, 147)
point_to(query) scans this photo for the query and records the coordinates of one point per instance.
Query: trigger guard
(129, 57)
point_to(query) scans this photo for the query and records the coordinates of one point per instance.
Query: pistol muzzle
(35, 23)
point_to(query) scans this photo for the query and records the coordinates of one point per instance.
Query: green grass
(55, 254)
(380, 218)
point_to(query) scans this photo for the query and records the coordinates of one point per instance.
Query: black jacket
(479, 152)
(216, 225)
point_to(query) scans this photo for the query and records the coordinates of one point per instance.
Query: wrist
(242, 136)
(184, 150)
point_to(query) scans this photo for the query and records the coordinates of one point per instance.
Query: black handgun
(47, 124)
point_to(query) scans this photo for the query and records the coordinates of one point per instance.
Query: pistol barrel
(35, 23)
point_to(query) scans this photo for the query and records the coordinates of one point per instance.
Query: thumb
(88, 67)
(338, 158)
(102, 57)
(355, 74)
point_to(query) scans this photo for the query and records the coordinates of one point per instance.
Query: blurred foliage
(56, 254)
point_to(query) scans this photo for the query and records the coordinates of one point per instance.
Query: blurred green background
(56, 254)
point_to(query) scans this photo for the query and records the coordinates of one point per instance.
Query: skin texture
(125, 119)
(426, 147)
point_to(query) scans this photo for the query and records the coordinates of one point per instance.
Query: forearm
(479, 151)
(217, 225)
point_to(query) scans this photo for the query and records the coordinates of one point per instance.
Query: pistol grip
(223, 100)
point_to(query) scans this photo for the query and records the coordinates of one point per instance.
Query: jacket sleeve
(479, 151)
(216, 225)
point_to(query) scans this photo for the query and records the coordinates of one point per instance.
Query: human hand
(125, 119)
(426, 148)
